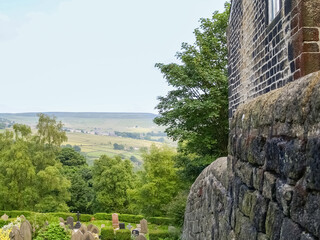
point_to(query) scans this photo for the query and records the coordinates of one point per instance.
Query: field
(95, 132)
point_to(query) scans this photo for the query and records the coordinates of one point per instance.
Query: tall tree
(196, 110)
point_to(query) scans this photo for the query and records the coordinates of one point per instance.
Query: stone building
(268, 188)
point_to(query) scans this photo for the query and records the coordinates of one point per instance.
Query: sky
(91, 55)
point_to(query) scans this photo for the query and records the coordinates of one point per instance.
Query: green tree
(157, 184)
(70, 157)
(112, 177)
(196, 110)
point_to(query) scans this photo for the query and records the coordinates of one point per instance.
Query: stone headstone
(144, 226)
(122, 226)
(89, 227)
(129, 226)
(83, 229)
(26, 230)
(77, 235)
(61, 224)
(103, 225)
(5, 217)
(141, 237)
(88, 236)
(61, 219)
(23, 217)
(115, 220)
(95, 230)
(138, 227)
(15, 234)
(135, 232)
(70, 222)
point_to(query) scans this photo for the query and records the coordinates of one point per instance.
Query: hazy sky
(91, 55)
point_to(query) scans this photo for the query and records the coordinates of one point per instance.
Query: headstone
(95, 230)
(78, 224)
(15, 234)
(61, 224)
(141, 237)
(70, 222)
(115, 220)
(83, 229)
(23, 217)
(129, 226)
(89, 227)
(122, 226)
(88, 236)
(5, 217)
(144, 226)
(26, 230)
(103, 225)
(61, 219)
(135, 232)
(138, 227)
(77, 235)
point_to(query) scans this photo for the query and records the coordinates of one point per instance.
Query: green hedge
(155, 235)
(103, 216)
(107, 233)
(123, 234)
(63, 215)
(160, 220)
(14, 213)
(130, 218)
(2, 223)
(85, 218)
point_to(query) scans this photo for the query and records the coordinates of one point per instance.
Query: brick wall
(265, 55)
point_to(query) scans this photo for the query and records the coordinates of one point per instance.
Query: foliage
(29, 169)
(158, 182)
(85, 217)
(107, 233)
(176, 208)
(117, 146)
(6, 229)
(70, 157)
(123, 234)
(53, 232)
(130, 218)
(161, 234)
(196, 110)
(2, 223)
(112, 177)
(103, 216)
(160, 220)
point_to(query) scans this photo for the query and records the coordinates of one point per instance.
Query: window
(274, 8)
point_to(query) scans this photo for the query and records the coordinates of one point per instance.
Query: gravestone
(115, 220)
(83, 229)
(129, 226)
(61, 224)
(26, 230)
(89, 227)
(61, 219)
(103, 225)
(77, 235)
(135, 232)
(122, 226)
(138, 227)
(5, 217)
(144, 226)
(70, 222)
(78, 224)
(95, 230)
(88, 236)
(141, 237)
(15, 234)
(23, 217)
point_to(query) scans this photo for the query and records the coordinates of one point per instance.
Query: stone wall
(265, 55)
(269, 187)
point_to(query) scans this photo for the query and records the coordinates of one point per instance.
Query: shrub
(123, 234)
(107, 233)
(63, 215)
(103, 216)
(85, 217)
(160, 220)
(130, 218)
(53, 232)
(2, 223)
(157, 235)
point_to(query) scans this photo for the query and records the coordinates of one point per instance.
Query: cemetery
(25, 225)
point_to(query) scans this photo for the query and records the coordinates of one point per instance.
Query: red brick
(297, 75)
(310, 62)
(310, 47)
(295, 22)
(297, 61)
(310, 34)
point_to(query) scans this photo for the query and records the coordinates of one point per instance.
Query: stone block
(273, 221)
(310, 62)
(290, 230)
(269, 185)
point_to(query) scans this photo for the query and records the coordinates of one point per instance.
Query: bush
(107, 233)
(85, 217)
(53, 232)
(157, 235)
(103, 216)
(2, 223)
(14, 213)
(160, 220)
(130, 218)
(63, 215)
(123, 234)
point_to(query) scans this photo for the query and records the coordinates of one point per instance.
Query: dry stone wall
(269, 186)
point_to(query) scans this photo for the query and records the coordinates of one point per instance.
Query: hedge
(130, 218)
(107, 233)
(155, 235)
(15, 213)
(2, 223)
(160, 220)
(123, 234)
(103, 216)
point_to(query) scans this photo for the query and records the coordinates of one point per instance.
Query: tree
(112, 177)
(157, 184)
(196, 110)
(70, 157)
